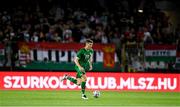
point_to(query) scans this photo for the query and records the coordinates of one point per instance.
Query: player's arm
(76, 61)
(90, 62)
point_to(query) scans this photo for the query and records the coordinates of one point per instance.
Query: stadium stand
(69, 22)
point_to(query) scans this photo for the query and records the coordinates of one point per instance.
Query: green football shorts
(79, 72)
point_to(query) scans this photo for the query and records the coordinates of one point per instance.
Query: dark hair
(89, 41)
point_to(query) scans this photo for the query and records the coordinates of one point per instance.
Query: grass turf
(73, 98)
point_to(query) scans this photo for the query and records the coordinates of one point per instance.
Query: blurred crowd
(67, 25)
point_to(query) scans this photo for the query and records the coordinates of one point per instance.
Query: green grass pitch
(73, 98)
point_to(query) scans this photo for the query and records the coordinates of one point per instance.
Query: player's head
(89, 43)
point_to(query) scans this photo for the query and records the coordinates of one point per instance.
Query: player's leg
(78, 81)
(64, 77)
(78, 76)
(83, 86)
(69, 78)
(81, 79)
(72, 79)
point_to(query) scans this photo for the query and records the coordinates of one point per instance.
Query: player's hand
(90, 68)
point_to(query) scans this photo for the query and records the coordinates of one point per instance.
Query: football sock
(72, 79)
(83, 86)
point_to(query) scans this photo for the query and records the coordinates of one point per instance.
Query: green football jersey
(84, 56)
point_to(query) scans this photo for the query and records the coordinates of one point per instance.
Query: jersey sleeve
(79, 53)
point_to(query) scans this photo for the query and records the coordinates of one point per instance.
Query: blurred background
(129, 35)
